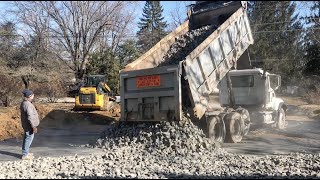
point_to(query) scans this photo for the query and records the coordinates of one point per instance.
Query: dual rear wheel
(216, 129)
(234, 125)
(229, 128)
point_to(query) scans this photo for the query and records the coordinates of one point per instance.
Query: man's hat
(27, 93)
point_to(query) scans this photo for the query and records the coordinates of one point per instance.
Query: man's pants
(27, 140)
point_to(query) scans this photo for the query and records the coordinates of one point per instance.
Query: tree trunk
(7, 102)
(26, 81)
(79, 75)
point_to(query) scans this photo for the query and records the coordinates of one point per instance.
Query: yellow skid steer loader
(94, 94)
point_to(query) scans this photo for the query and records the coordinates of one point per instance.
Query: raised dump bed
(152, 93)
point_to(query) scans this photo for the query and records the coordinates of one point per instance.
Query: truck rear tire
(216, 129)
(246, 120)
(234, 126)
(281, 121)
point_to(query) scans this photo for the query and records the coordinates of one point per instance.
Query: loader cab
(251, 87)
(94, 80)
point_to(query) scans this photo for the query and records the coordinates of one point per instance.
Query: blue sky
(168, 7)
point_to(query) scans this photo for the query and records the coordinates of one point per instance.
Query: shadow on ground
(10, 154)
(68, 118)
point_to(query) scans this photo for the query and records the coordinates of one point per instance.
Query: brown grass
(312, 97)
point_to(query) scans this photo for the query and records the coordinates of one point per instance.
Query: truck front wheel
(216, 129)
(281, 121)
(234, 126)
(245, 115)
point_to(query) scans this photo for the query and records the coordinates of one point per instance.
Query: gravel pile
(185, 44)
(179, 137)
(134, 163)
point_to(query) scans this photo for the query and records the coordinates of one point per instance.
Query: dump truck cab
(254, 90)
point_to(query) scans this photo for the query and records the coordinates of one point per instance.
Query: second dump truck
(207, 81)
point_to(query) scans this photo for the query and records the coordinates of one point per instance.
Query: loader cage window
(242, 81)
(94, 80)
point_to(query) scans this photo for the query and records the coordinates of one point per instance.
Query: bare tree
(75, 29)
(36, 21)
(179, 13)
(116, 33)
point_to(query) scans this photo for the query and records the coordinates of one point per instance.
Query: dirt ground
(10, 125)
(51, 115)
(297, 105)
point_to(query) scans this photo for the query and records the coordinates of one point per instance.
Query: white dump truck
(154, 90)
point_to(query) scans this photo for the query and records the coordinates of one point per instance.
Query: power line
(257, 32)
(266, 9)
(280, 22)
(269, 6)
(262, 60)
(133, 35)
(130, 36)
(56, 36)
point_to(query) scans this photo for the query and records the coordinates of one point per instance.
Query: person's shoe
(27, 157)
(30, 154)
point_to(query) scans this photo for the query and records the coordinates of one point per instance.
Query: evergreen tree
(312, 66)
(8, 40)
(278, 43)
(127, 52)
(152, 26)
(108, 64)
(312, 55)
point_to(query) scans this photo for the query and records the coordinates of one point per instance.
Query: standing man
(29, 121)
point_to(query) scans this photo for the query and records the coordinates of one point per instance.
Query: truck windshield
(242, 81)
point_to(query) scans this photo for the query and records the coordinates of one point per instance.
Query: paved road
(54, 142)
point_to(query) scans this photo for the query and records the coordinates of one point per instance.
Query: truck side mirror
(275, 81)
(279, 82)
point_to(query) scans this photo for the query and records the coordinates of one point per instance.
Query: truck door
(273, 83)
